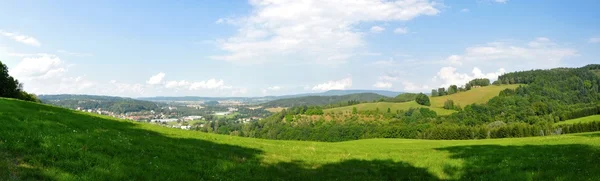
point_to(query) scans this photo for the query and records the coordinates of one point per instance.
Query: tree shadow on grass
(529, 162)
(48, 143)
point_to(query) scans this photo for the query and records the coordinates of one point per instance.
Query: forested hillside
(107, 103)
(546, 97)
(325, 100)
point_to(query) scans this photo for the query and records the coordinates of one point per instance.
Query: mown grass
(586, 119)
(478, 95)
(39, 142)
(383, 106)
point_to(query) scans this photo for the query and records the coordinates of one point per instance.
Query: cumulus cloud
(401, 30)
(377, 29)
(383, 85)
(334, 85)
(449, 76)
(539, 53)
(156, 79)
(311, 30)
(28, 40)
(594, 40)
(39, 66)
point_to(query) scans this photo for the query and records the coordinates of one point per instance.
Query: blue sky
(277, 47)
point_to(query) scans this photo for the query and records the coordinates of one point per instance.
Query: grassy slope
(47, 143)
(384, 105)
(477, 95)
(586, 119)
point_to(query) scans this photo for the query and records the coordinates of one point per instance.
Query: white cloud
(391, 76)
(385, 63)
(42, 66)
(410, 86)
(377, 29)
(500, 1)
(274, 88)
(594, 40)
(156, 79)
(21, 38)
(465, 10)
(311, 31)
(539, 53)
(334, 85)
(449, 76)
(401, 30)
(383, 85)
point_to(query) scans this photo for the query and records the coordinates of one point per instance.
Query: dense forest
(12, 88)
(107, 103)
(549, 96)
(332, 101)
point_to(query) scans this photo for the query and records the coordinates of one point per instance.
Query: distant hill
(107, 103)
(323, 100)
(269, 98)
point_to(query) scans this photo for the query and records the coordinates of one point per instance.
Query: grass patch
(586, 119)
(476, 95)
(275, 109)
(383, 106)
(39, 142)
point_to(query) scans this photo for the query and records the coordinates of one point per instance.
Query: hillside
(39, 142)
(323, 100)
(586, 119)
(383, 106)
(107, 103)
(476, 95)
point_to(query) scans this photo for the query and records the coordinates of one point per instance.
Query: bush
(423, 99)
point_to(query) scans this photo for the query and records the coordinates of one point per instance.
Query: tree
(434, 93)
(11, 88)
(452, 89)
(449, 104)
(354, 111)
(423, 99)
(389, 110)
(442, 91)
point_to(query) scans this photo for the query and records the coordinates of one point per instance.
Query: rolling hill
(107, 103)
(322, 100)
(383, 106)
(476, 95)
(41, 142)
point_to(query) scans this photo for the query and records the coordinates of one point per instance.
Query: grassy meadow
(40, 142)
(478, 95)
(383, 106)
(586, 119)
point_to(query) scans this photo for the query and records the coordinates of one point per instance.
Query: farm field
(383, 106)
(476, 95)
(40, 142)
(586, 119)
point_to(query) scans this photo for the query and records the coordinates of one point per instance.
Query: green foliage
(11, 88)
(404, 97)
(326, 101)
(449, 104)
(423, 99)
(107, 103)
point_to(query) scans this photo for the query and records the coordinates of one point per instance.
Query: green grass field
(586, 119)
(384, 105)
(39, 142)
(477, 95)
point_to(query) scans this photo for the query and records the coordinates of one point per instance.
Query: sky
(278, 47)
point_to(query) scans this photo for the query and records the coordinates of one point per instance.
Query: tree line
(12, 88)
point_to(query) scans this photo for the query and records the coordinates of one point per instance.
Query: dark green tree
(423, 99)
